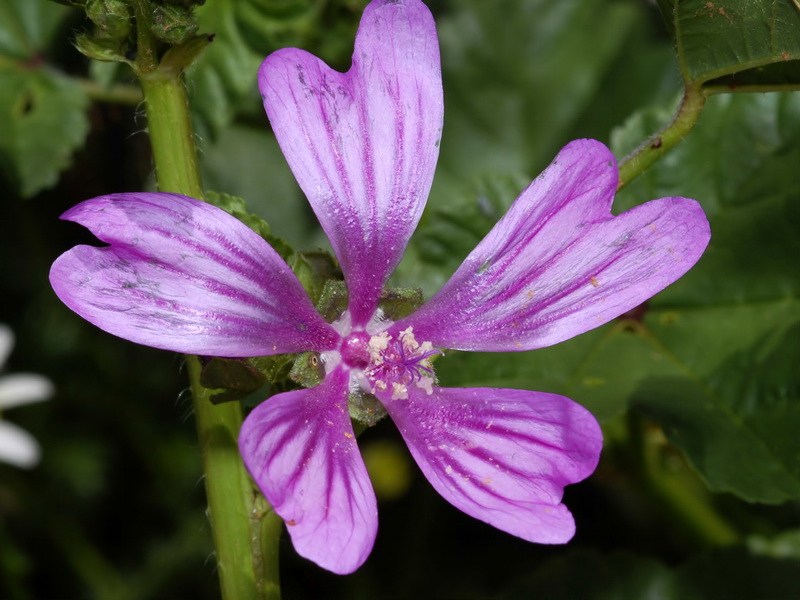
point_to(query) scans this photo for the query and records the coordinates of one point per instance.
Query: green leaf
(736, 42)
(247, 162)
(43, 120)
(27, 27)
(738, 425)
(42, 113)
(449, 231)
(518, 75)
(730, 410)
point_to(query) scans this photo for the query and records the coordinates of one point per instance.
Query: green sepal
(314, 269)
(78, 3)
(248, 380)
(333, 300)
(395, 302)
(365, 409)
(103, 49)
(234, 379)
(235, 206)
(186, 3)
(180, 57)
(275, 368)
(307, 370)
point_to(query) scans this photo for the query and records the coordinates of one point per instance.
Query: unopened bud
(173, 24)
(112, 17)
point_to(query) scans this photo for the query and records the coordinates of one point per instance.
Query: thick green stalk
(239, 518)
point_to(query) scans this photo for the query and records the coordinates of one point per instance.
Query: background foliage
(697, 492)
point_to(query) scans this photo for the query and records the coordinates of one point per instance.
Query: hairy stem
(239, 517)
(633, 165)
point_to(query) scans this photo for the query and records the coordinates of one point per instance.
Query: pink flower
(185, 276)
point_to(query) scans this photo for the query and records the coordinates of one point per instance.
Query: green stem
(677, 491)
(633, 165)
(238, 514)
(170, 130)
(232, 499)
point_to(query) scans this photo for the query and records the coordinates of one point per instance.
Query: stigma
(396, 363)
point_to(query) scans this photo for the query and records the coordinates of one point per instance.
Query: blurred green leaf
(42, 113)
(725, 324)
(738, 426)
(717, 575)
(600, 369)
(736, 42)
(744, 147)
(27, 27)
(449, 231)
(247, 162)
(518, 75)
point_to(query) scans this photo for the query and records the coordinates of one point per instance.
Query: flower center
(396, 363)
(355, 350)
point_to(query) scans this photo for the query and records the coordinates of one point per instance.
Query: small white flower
(17, 446)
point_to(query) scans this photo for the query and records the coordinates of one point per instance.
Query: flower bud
(173, 24)
(112, 17)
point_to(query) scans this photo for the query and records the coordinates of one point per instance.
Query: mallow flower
(17, 446)
(185, 276)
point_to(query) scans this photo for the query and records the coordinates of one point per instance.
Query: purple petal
(502, 456)
(182, 275)
(300, 449)
(558, 264)
(363, 145)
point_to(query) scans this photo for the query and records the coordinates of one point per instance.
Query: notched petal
(301, 450)
(559, 264)
(182, 275)
(363, 144)
(502, 456)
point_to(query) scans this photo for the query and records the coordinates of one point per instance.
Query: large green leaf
(738, 425)
(247, 162)
(736, 42)
(42, 112)
(510, 94)
(27, 27)
(725, 324)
